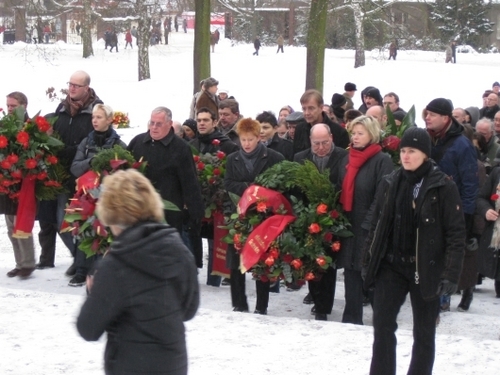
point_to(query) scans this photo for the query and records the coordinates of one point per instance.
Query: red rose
(16, 175)
(23, 138)
(216, 171)
(494, 197)
(30, 163)
(269, 261)
(3, 141)
(216, 142)
(328, 237)
(42, 175)
(322, 209)
(287, 258)
(52, 183)
(296, 263)
(42, 124)
(391, 143)
(309, 276)
(261, 207)
(13, 158)
(264, 278)
(51, 159)
(274, 253)
(314, 228)
(196, 158)
(200, 166)
(321, 261)
(5, 164)
(220, 155)
(6, 182)
(211, 180)
(334, 214)
(336, 246)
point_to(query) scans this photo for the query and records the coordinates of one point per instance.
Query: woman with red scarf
(361, 172)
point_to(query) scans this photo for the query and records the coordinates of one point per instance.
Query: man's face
(496, 89)
(204, 123)
(222, 96)
(497, 123)
(377, 112)
(159, 125)
(321, 142)
(459, 115)
(391, 102)
(313, 112)
(227, 118)
(484, 129)
(12, 104)
(350, 94)
(492, 100)
(77, 87)
(369, 101)
(435, 121)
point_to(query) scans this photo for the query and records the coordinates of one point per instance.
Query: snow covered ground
(37, 330)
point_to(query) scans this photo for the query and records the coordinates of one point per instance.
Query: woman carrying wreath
(102, 137)
(144, 288)
(242, 168)
(416, 246)
(361, 172)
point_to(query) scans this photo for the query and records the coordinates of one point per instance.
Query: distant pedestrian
(256, 45)
(280, 42)
(393, 50)
(107, 38)
(134, 34)
(128, 39)
(113, 41)
(176, 24)
(78, 28)
(184, 25)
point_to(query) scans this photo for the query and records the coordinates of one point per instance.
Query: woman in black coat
(361, 172)
(242, 168)
(144, 288)
(269, 135)
(416, 245)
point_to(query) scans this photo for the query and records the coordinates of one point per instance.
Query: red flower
(200, 166)
(3, 141)
(196, 158)
(296, 263)
(269, 261)
(336, 246)
(216, 171)
(216, 142)
(30, 163)
(13, 158)
(237, 241)
(334, 214)
(328, 237)
(115, 164)
(264, 278)
(7, 182)
(51, 159)
(220, 155)
(5, 164)
(211, 180)
(321, 261)
(52, 183)
(16, 174)
(309, 276)
(42, 175)
(274, 253)
(322, 209)
(42, 124)
(494, 197)
(391, 143)
(261, 207)
(314, 228)
(23, 138)
(287, 258)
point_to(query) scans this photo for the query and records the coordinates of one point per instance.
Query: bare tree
(87, 29)
(315, 60)
(201, 51)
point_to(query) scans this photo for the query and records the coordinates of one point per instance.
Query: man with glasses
(171, 170)
(73, 124)
(491, 107)
(326, 156)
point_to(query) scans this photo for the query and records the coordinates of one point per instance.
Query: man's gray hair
(486, 120)
(165, 110)
(323, 125)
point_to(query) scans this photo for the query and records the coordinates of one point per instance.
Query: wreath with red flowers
(392, 134)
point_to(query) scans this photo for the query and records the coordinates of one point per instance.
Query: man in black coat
(491, 107)
(170, 169)
(326, 156)
(312, 108)
(269, 135)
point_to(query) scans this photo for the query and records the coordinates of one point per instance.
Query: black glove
(446, 287)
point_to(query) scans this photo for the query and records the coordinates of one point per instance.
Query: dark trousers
(391, 288)
(280, 48)
(238, 296)
(323, 291)
(353, 310)
(212, 280)
(47, 238)
(262, 289)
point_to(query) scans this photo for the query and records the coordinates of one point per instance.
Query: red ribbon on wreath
(26, 209)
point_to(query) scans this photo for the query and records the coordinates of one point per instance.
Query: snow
(38, 335)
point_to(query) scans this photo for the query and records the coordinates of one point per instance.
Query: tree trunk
(315, 61)
(144, 34)
(20, 22)
(86, 30)
(359, 58)
(201, 51)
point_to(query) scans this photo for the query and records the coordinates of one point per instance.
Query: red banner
(220, 247)
(254, 194)
(26, 209)
(261, 237)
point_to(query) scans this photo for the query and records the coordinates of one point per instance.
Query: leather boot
(497, 288)
(467, 296)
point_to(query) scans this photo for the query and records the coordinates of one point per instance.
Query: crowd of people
(428, 227)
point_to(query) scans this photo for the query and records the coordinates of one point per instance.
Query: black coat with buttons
(440, 242)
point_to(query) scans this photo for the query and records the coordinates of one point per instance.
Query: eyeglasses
(156, 124)
(75, 86)
(318, 143)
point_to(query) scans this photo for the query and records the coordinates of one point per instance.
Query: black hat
(417, 138)
(295, 117)
(191, 123)
(349, 86)
(440, 106)
(495, 84)
(338, 100)
(375, 94)
(399, 115)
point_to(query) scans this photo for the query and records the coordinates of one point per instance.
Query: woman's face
(188, 132)
(411, 158)
(360, 136)
(100, 122)
(248, 141)
(283, 114)
(266, 131)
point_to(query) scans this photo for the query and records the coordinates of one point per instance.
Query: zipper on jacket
(417, 277)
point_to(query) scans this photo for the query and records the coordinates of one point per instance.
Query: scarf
(101, 137)
(249, 158)
(357, 158)
(321, 162)
(437, 134)
(75, 106)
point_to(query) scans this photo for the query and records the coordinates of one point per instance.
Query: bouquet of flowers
(120, 120)
(294, 238)
(391, 137)
(211, 168)
(29, 168)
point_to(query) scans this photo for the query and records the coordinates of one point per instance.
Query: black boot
(467, 295)
(497, 288)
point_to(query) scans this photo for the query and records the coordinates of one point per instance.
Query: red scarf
(356, 160)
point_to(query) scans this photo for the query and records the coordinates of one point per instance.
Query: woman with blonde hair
(146, 285)
(361, 172)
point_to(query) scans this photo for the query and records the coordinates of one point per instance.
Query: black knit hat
(440, 106)
(191, 124)
(417, 138)
(349, 86)
(338, 100)
(495, 84)
(375, 94)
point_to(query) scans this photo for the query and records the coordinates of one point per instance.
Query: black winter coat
(144, 289)
(172, 172)
(488, 262)
(205, 145)
(366, 186)
(283, 146)
(489, 112)
(301, 140)
(440, 238)
(333, 165)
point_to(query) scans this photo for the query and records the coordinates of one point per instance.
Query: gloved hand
(446, 287)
